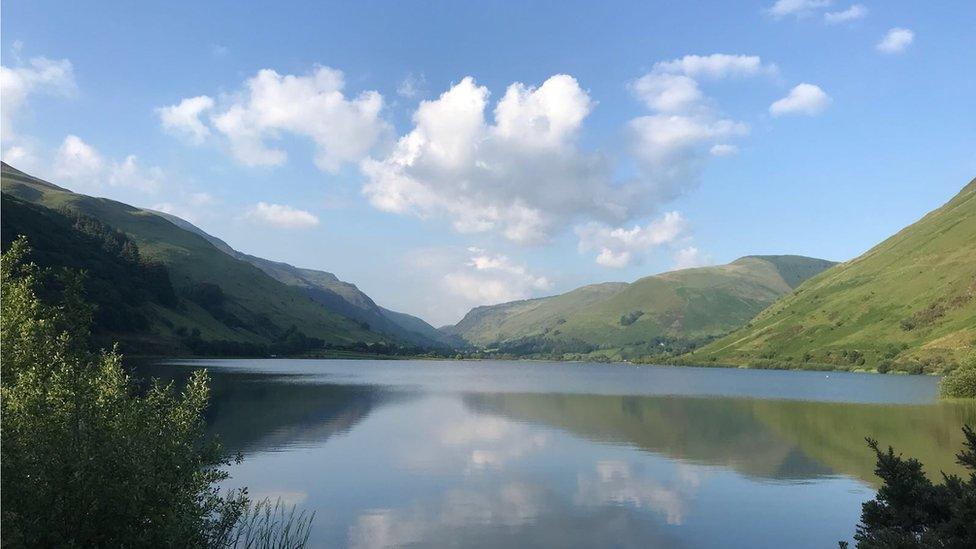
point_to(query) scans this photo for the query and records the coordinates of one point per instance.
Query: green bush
(87, 461)
(961, 382)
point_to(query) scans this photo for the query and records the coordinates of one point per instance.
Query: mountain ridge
(247, 305)
(617, 320)
(335, 294)
(908, 303)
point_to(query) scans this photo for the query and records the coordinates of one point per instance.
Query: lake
(508, 454)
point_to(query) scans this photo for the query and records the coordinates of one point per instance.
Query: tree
(85, 460)
(910, 511)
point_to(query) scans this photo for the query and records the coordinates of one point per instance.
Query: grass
(618, 320)
(252, 295)
(908, 304)
(272, 525)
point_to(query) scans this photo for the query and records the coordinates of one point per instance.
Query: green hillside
(220, 297)
(335, 295)
(909, 303)
(661, 313)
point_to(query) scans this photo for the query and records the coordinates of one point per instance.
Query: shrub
(961, 382)
(910, 511)
(86, 460)
(630, 318)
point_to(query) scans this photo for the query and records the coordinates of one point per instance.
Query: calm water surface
(507, 454)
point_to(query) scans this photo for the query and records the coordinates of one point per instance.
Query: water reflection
(774, 439)
(387, 459)
(513, 514)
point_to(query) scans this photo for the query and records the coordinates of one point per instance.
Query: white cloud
(487, 279)
(77, 161)
(798, 8)
(522, 175)
(668, 92)
(618, 247)
(520, 172)
(670, 148)
(723, 149)
(80, 166)
(715, 66)
(270, 105)
(895, 41)
(183, 119)
(128, 174)
(412, 86)
(689, 257)
(281, 216)
(39, 76)
(671, 144)
(806, 99)
(853, 13)
(21, 157)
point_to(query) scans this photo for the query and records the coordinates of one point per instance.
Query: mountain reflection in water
(390, 455)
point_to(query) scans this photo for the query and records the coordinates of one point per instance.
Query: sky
(443, 155)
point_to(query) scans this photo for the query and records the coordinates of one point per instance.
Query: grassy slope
(336, 295)
(254, 296)
(914, 294)
(690, 303)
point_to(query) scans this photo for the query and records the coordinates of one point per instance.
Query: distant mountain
(908, 303)
(336, 295)
(220, 296)
(670, 311)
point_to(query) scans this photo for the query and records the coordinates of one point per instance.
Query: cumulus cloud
(853, 13)
(270, 105)
(797, 8)
(128, 173)
(689, 257)
(21, 156)
(521, 175)
(671, 144)
(519, 171)
(77, 161)
(806, 99)
(40, 75)
(895, 40)
(280, 216)
(82, 167)
(487, 279)
(618, 246)
(183, 119)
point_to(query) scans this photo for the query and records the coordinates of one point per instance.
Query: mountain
(909, 303)
(219, 297)
(336, 295)
(665, 312)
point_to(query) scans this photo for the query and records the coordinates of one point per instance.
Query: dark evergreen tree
(910, 511)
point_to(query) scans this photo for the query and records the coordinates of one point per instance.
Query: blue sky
(385, 141)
